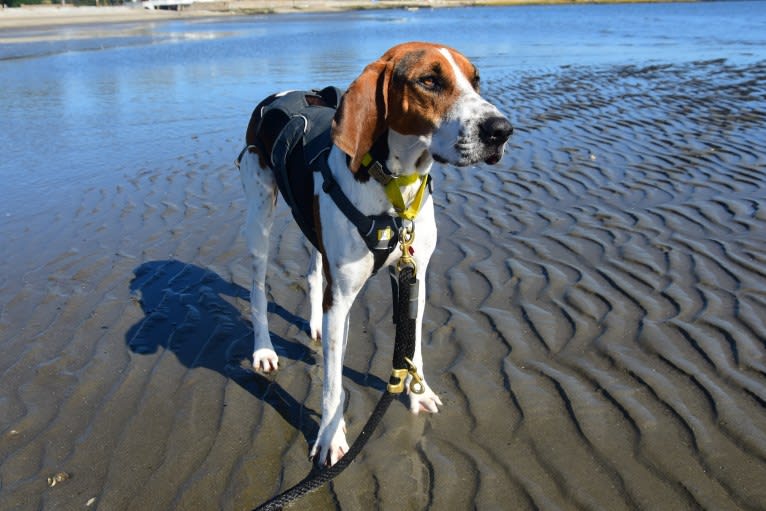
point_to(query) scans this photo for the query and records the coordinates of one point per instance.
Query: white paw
(428, 401)
(330, 446)
(265, 360)
(316, 331)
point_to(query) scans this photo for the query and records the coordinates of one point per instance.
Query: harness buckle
(379, 174)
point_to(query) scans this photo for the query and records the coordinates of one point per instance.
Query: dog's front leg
(425, 242)
(331, 443)
(428, 401)
(346, 272)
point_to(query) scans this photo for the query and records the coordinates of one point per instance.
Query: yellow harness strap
(393, 189)
(394, 194)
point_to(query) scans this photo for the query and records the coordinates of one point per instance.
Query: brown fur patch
(361, 116)
(409, 89)
(424, 88)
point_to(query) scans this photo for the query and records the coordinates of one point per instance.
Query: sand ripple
(595, 323)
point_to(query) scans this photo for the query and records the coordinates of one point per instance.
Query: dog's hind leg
(315, 295)
(261, 193)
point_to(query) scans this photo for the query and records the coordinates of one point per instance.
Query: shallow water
(93, 103)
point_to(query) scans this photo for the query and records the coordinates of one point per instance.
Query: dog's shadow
(185, 312)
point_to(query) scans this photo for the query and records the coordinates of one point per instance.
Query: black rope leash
(405, 312)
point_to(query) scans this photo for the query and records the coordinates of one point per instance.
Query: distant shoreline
(39, 16)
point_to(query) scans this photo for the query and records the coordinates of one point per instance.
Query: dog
(417, 104)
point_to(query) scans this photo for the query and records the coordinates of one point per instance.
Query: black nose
(495, 130)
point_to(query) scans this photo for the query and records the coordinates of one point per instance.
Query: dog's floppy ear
(361, 116)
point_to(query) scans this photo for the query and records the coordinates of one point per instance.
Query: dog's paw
(329, 447)
(316, 331)
(265, 360)
(428, 401)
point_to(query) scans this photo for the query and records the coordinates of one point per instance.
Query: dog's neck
(403, 154)
(408, 154)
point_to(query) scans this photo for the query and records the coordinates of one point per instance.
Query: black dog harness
(299, 123)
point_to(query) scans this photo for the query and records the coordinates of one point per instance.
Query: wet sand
(595, 323)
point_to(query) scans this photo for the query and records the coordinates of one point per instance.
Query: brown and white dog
(425, 99)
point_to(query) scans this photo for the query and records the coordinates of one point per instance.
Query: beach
(596, 302)
(57, 15)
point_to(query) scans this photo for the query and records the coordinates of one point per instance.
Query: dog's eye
(429, 82)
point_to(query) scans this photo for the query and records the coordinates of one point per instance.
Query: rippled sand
(595, 323)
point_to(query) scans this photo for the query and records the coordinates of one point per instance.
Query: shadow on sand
(186, 313)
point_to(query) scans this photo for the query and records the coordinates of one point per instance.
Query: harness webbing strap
(379, 232)
(393, 184)
(394, 194)
(362, 222)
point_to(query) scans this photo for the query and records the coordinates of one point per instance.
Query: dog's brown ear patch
(361, 116)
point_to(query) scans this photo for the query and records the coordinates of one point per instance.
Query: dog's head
(428, 91)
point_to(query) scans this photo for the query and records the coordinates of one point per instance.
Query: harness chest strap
(392, 185)
(381, 233)
(394, 194)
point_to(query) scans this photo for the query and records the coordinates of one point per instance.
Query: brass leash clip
(396, 382)
(406, 238)
(416, 384)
